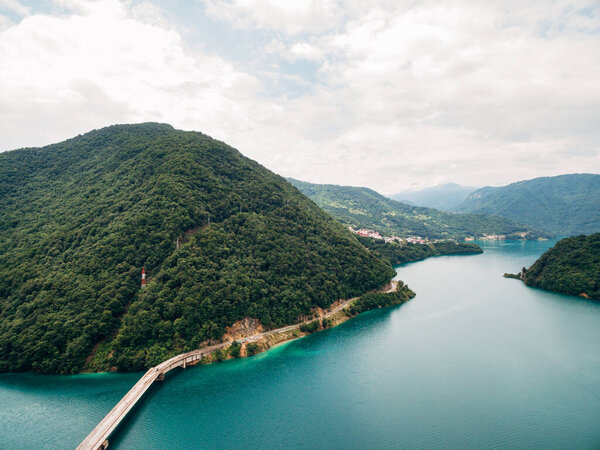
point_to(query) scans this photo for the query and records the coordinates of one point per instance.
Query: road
(343, 305)
(98, 438)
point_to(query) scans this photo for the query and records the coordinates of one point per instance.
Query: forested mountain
(445, 197)
(572, 266)
(363, 207)
(80, 219)
(562, 205)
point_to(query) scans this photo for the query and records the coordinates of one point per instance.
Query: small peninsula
(406, 252)
(571, 267)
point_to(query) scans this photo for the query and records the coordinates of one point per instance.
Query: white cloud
(304, 50)
(406, 93)
(14, 6)
(5, 22)
(60, 76)
(292, 17)
(466, 92)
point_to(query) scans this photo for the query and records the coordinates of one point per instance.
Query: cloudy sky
(388, 94)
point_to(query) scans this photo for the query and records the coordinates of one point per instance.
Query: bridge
(98, 438)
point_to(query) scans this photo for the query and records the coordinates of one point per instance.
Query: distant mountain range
(560, 205)
(444, 196)
(363, 207)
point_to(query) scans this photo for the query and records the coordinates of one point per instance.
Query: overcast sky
(392, 95)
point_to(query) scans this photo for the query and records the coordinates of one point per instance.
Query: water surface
(474, 361)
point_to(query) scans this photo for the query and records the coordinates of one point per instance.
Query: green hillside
(362, 207)
(79, 220)
(572, 266)
(562, 205)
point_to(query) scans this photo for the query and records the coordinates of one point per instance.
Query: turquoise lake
(473, 361)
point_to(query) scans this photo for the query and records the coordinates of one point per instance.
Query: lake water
(473, 361)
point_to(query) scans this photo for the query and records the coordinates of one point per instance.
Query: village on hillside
(365, 232)
(487, 237)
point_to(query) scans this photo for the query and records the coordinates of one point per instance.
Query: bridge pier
(104, 445)
(184, 364)
(160, 377)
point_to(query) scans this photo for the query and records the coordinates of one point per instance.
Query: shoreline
(264, 340)
(391, 294)
(271, 338)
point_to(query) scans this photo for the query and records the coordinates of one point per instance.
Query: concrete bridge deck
(98, 438)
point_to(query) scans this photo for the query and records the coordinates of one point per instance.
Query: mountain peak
(81, 218)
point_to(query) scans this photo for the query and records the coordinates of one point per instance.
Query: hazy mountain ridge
(363, 207)
(444, 197)
(561, 205)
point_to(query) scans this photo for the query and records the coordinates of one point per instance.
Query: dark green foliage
(397, 253)
(362, 207)
(375, 300)
(252, 349)
(310, 327)
(572, 267)
(234, 349)
(79, 219)
(325, 322)
(562, 205)
(219, 355)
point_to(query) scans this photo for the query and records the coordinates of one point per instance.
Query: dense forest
(375, 300)
(562, 205)
(397, 253)
(80, 219)
(572, 267)
(362, 207)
